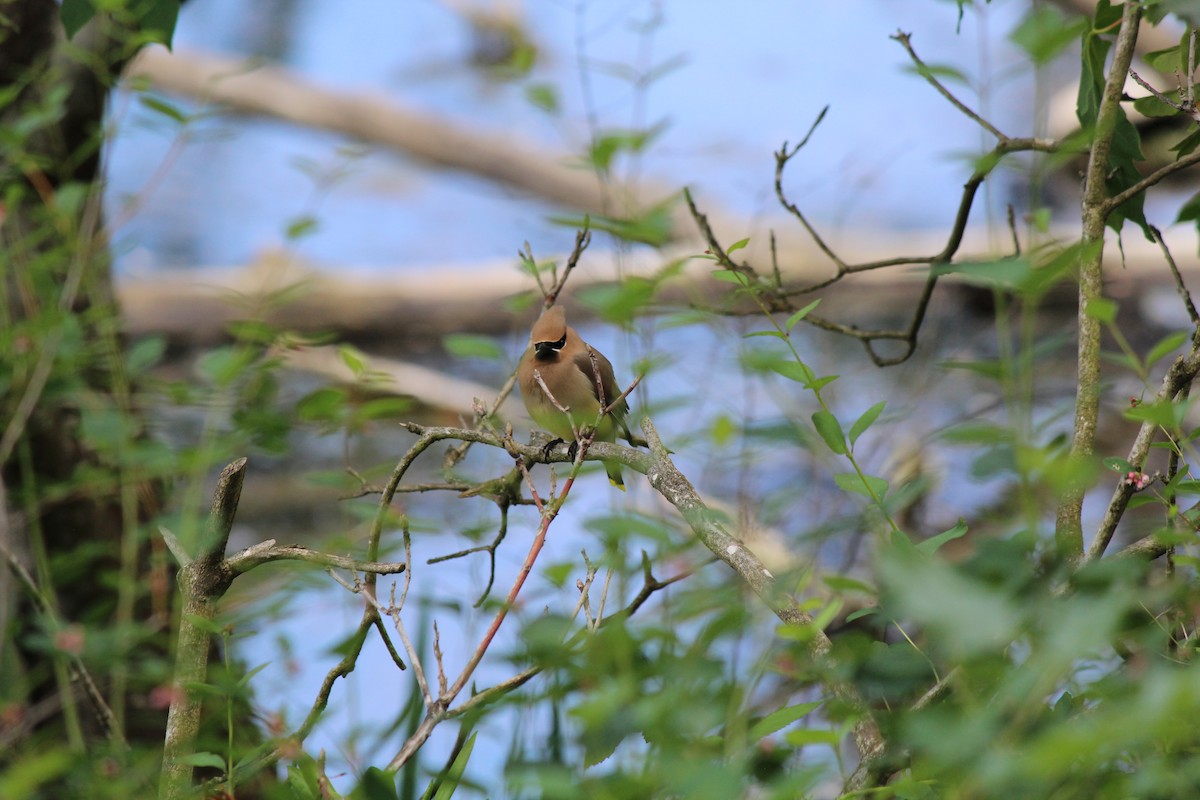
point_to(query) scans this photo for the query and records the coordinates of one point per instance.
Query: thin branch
(1184, 294)
(268, 551)
(905, 40)
(1114, 202)
(1182, 372)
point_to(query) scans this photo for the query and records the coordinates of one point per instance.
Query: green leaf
(543, 96)
(300, 227)
(777, 720)
(801, 314)
(466, 345)
(144, 354)
(1168, 345)
(1185, 146)
(608, 145)
(731, 276)
(204, 760)
(831, 431)
(1166, 61)
(454, 774)
(868, 484)
(75, 14)
(1118, 464)
(323, 405)
(793, 370)
(353, 360)
(862, 612)
(158, 18)
(376, 784)
(817, 384)
(1152, 106)
(245, 679)
(738, 245)
(942, 72)
(653, 226)
(929, 546)
(865, 421)
(164, 108)
(1045, 32)
(1102, 310)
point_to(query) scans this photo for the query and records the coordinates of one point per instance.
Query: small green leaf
(245, 679)
(793, 370)
(466, 345)
(801, 314)
(942, 72)
(731, 276)
(817, 384)
(455, 772)
(323, 405)
(353, 360)
(1118, 464)
(862, 612)
(738, 245)
(1168, 345)
(930, 545)
(866, 486)
(204, 760)
(865, 421)
(780, 719)
(1164, 61)
(1045, 32)
(144, 354)
(75, 14)
(776, 334)
(1102, 309)
(543, 96)
(300, 227)
(376, 784)
(831, 431)
(164, 108)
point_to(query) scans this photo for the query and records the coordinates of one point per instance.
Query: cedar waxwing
(562, 360)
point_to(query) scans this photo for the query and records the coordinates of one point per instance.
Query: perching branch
(1097, 206)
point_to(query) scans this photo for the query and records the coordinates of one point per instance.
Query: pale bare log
(254, 87)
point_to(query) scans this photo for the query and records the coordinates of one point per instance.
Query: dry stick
(1068, 531)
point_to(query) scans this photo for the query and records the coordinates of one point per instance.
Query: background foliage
(1031, 649)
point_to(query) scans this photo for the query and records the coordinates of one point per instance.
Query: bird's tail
(614, 474)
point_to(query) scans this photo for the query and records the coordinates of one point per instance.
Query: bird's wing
(584, 362)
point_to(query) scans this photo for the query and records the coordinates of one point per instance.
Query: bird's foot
(550, 445)
(573, 450)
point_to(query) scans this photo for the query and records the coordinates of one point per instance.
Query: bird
(564, 362)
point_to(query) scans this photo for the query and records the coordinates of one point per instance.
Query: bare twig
(1181, 373)
(1184, 294)
(905, 41)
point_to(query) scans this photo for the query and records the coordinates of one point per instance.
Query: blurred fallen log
(254, 87)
